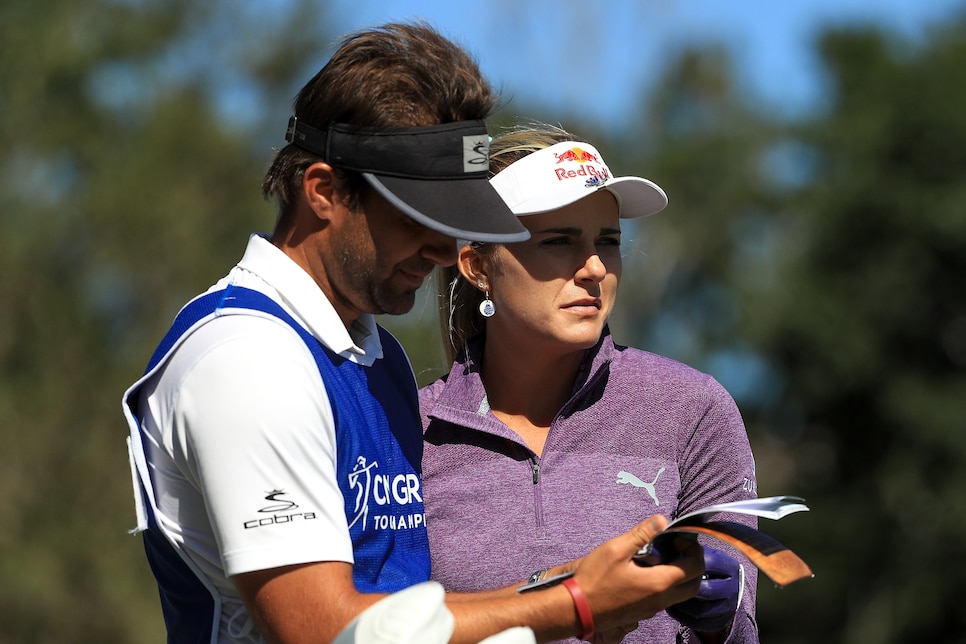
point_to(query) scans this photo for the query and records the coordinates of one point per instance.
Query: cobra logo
(281, 506)
(279, 511)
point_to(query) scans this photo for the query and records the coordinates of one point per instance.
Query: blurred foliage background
(814, 265)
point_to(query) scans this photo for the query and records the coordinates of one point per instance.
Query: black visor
(437, 175)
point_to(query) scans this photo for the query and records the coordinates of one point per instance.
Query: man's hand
(621, 593)
(719, 595)
(313, 602)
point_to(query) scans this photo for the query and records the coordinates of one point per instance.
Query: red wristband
(583, 608)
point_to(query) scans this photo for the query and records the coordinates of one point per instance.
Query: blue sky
(595, 57)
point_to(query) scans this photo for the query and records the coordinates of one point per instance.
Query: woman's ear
(321, 186)
(471, 265)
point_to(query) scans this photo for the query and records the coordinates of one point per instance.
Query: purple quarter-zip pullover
(641, 435)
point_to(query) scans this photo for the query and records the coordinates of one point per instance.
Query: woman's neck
(527, 388)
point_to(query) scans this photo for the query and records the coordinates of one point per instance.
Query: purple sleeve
(717, 466)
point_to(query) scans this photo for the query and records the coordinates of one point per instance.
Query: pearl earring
(486, 306)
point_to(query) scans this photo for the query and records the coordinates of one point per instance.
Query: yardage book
(776, 561)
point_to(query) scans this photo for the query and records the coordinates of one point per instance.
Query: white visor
(566, 172)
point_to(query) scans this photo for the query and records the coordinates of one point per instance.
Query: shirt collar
(463, 395)
(298, 292)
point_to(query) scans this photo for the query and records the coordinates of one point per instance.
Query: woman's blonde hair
(459, 315)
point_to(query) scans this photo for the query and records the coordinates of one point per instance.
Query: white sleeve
(254, 427)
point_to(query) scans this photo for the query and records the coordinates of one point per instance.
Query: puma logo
(627, 477)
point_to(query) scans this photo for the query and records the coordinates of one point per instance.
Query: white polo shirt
(239, 437)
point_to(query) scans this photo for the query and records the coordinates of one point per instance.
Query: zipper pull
(536, 469)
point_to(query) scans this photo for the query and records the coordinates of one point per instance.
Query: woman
(547, 438)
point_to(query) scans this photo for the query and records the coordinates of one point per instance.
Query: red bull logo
(576, 154)
(591, 170)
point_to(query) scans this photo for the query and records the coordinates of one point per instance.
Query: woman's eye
(609, 241)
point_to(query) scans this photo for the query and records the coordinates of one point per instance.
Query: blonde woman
(547, 438)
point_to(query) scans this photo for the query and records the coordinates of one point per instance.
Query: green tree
(867, 327)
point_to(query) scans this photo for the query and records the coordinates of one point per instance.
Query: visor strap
(307, 137)
(456, 150)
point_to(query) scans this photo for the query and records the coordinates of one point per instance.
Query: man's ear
(321, 188)
(472, 266)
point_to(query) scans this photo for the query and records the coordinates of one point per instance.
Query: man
(275, 435)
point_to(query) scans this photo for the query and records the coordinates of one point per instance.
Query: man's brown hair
(394, 76)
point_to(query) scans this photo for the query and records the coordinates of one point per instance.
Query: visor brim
(467, 209)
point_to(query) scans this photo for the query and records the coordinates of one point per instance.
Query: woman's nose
(592, 269)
